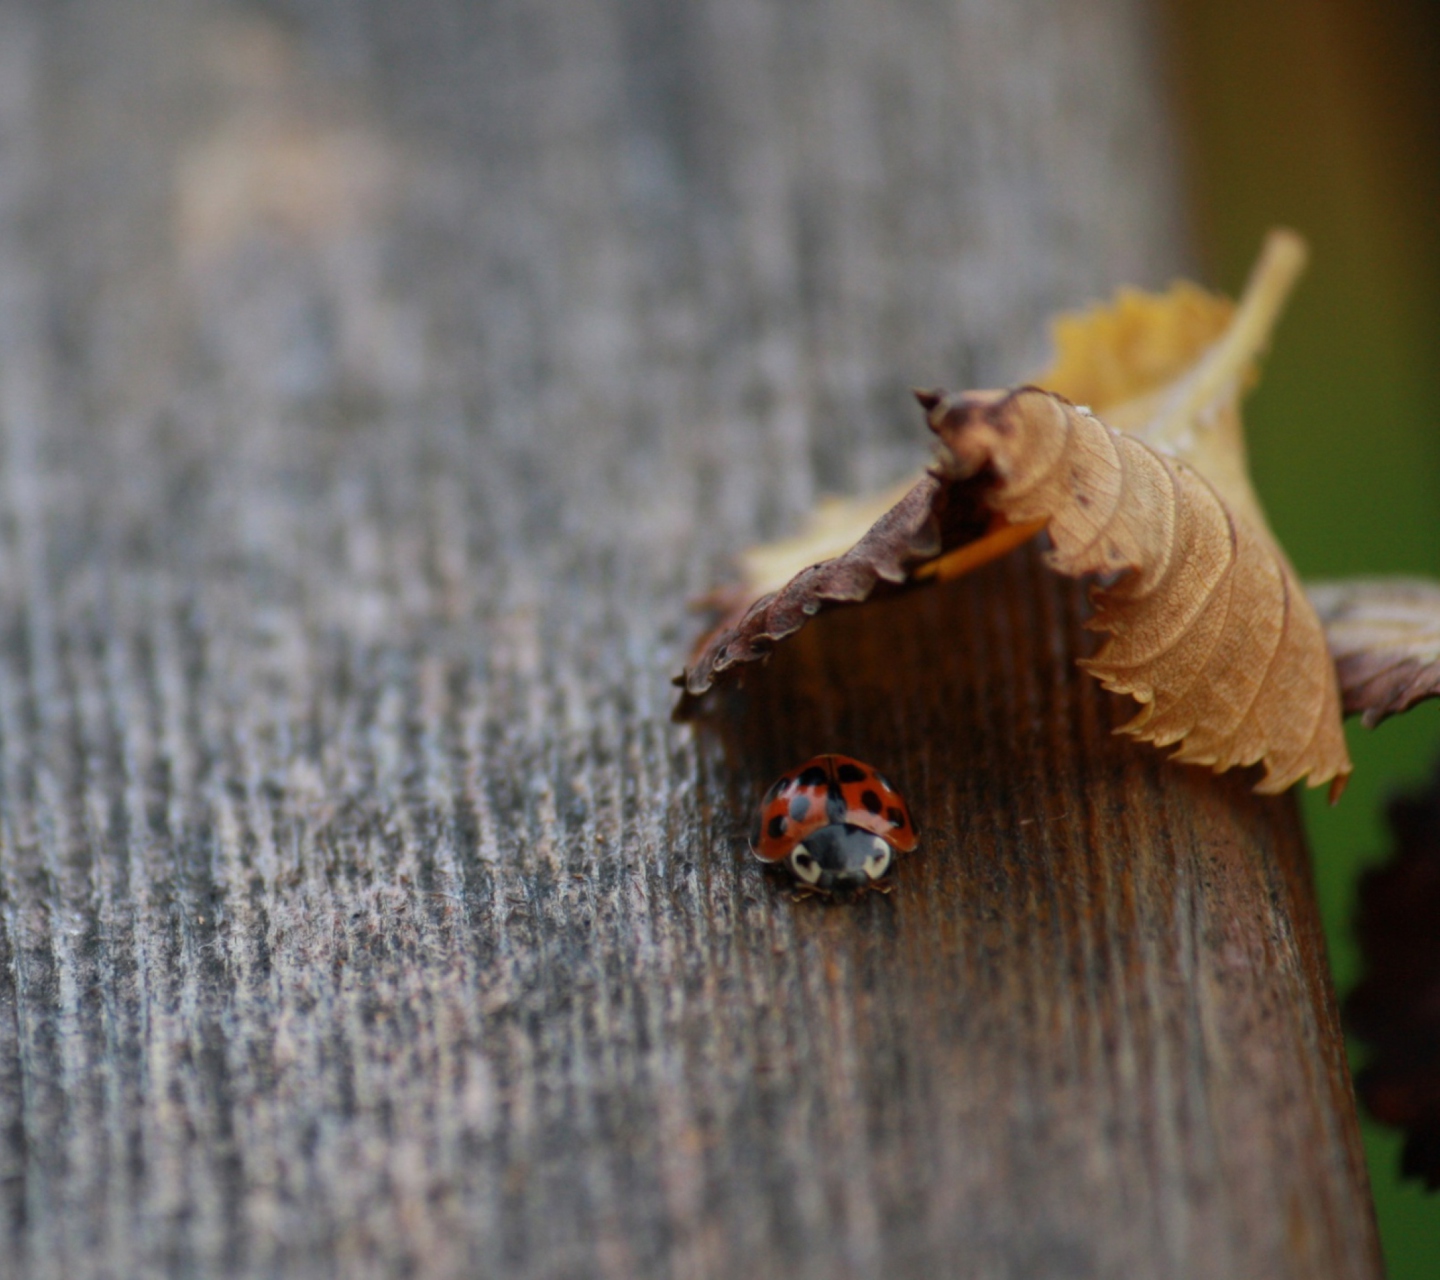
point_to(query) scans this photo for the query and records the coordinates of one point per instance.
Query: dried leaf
(831, 529)
(1121, 352)
(1384, 635)
(927, 520)
(1197, 416)
(1209, 628)
(1395, 1008)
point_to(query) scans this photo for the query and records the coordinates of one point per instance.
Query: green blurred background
(1324, 115)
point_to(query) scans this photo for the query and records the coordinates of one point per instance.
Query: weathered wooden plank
(376, 382)
(1117, 971)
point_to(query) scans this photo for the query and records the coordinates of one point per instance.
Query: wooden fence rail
(377, 381)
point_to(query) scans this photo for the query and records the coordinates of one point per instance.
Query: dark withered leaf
(1395, 1009)
(1384, 635)
(933, 517)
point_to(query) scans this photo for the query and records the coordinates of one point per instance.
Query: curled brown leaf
(1209, 628)
(932, 517)
(1384, 635)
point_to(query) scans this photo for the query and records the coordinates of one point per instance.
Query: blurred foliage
(1324, 115)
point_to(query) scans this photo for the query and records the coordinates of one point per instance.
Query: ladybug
(834, 822)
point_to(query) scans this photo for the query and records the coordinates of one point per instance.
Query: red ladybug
(835, 823)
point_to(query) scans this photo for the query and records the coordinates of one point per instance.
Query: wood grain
(376, 383)
(1116, 965)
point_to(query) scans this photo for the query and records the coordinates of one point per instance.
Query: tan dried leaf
(931, 518)
(1209, 628)
(1119, 352)
(1384, 635)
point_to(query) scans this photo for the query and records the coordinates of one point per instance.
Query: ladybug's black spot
(799, 807)
(896, 816)
(871, 801)
(851, 773)
(777, 826)
(814, 776)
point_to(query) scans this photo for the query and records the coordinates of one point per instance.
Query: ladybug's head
(840, 856)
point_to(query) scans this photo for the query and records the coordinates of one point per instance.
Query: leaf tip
(1285, 248)
(1337, 787)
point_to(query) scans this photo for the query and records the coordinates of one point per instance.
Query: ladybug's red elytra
(835, 823)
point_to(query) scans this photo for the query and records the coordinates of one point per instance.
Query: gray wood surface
(377, 381)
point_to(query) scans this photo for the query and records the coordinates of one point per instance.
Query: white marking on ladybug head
(803, 864)
(878, 863)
